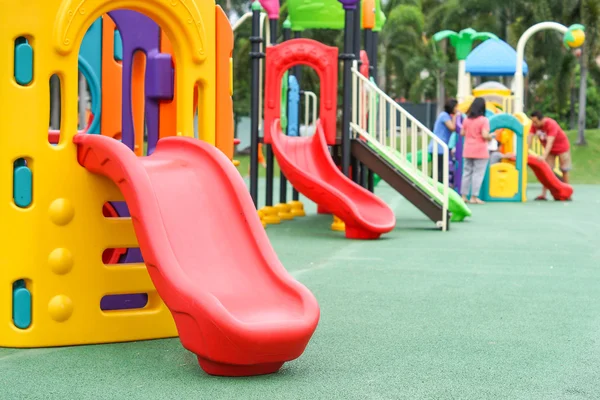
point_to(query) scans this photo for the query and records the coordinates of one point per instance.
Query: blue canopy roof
(494, 57)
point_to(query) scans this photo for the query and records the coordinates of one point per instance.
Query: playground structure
(507, 180)
(144, 228)
(363, 148)
(307, 15)
(192, 217)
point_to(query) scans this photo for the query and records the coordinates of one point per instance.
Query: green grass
(245, 164)
(586, 159)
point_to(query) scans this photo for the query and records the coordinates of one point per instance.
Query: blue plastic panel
(293, 107)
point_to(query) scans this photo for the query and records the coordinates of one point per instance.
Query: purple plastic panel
(123, 302)
(139, 33)
(349, 4)
(132, 255)
(458, 166)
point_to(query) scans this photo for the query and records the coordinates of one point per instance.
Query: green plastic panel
(456, 205)
(324, 14)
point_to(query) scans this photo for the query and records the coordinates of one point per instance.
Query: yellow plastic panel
(190, 26)
(504, 180)
(524, 119)
(488, 92)
(56, 244)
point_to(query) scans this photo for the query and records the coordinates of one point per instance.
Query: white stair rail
(241, 20)
(375, 118)
(310, 98)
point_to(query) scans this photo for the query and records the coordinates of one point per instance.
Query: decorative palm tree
(463, 43)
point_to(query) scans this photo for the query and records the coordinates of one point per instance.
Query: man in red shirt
(555, 142)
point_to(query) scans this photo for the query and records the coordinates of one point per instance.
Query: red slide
(234, 304)
(560, 190)
(307, 164)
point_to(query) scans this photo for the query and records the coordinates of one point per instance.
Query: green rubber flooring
(504, 306)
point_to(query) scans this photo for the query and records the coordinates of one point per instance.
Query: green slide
(456, 205)
(377, 178)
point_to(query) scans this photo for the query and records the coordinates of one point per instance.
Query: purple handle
(160, 85)
(349, 4)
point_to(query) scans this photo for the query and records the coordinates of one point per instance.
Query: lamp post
(574, 37)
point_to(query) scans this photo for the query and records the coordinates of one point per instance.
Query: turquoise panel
(23, 62)
(118, 46)
(90, 54)
(21, 305)
(22, 185)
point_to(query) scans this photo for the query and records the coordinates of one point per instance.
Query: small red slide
(307, 164)
(234, 304)
(560, 190)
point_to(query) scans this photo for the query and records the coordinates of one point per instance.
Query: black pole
(373, 70)
(256, 55)
(369, 48)
(359, 171)
(347, 57)
(297, 72)
(287, 35)
(270, 159)
(357, 29)
(374, 50)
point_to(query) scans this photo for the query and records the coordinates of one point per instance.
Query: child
(555, 142)
(476, 130)
(496, 155)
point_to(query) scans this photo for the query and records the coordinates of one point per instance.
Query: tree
(463, 43)
(590, 11)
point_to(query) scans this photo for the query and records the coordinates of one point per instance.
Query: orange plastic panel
(368, 14)
(224, 102)
(138, 100)
(167, 121)
(112, 87)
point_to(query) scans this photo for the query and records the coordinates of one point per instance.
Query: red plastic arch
(364, 68)
(323, 59)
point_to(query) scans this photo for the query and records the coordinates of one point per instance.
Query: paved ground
(505, 306)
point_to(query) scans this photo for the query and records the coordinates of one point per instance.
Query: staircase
(384, 136)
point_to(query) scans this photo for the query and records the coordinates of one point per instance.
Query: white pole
(518, 82)
(241, 20)
(462, 81)
(468, 84)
